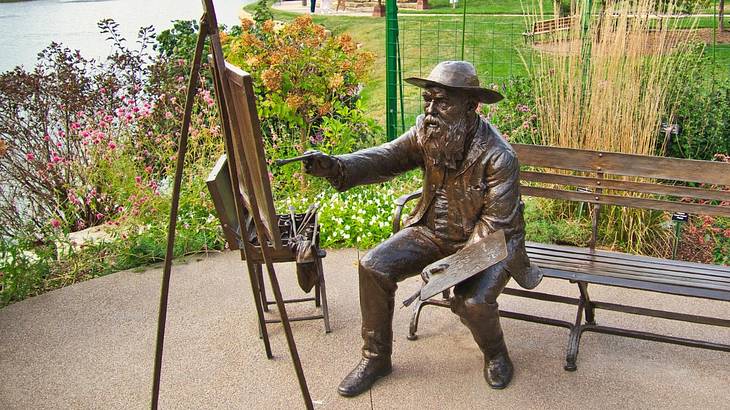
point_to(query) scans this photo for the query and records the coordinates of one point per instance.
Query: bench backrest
(546, 26)
(628, 180)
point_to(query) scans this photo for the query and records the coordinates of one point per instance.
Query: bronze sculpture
(471, 189)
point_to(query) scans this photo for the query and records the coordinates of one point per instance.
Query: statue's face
(444, 129)
(448, 106)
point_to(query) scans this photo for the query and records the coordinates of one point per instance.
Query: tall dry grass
(604, 85)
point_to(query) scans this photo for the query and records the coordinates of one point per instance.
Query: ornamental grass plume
(604, 84)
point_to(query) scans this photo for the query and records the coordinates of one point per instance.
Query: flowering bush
(58, 123)
(301, 74)
(515, 116)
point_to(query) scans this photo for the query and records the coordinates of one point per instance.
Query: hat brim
(484, 95)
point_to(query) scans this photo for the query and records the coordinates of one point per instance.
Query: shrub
(23, 268)
(301, 74)
(702, 110)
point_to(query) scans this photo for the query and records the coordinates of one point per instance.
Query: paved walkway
(91, 345)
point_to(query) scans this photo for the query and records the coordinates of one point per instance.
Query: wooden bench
(549, 26)
(599, 178)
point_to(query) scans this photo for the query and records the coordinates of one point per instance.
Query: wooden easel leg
(169, 254)
(323, 290)
(262, 287)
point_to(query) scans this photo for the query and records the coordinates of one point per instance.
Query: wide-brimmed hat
(458, 75)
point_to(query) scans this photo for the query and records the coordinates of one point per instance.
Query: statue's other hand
(320, 164)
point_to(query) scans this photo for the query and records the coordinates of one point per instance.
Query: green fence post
(391, 69)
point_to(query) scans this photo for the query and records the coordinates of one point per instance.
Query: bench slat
(604, 269)
(708, 172)
(647, 279)
(632, 202)
(643, 187)
(637, 284)
(637, 266)
(628, 258)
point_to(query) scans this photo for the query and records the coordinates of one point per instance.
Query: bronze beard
(443, 142)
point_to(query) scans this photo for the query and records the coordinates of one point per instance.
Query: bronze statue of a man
(470, 189)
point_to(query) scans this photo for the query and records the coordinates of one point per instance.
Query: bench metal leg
(418, 305)
(574, 338)
(589, 306)
(413, 328)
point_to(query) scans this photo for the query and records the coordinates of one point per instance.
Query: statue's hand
(427, 274)
(320, 164)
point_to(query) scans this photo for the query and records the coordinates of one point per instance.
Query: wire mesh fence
(496, 45)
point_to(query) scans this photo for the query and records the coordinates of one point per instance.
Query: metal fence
(496, 48)
(495, 45)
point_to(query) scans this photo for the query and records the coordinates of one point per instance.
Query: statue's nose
(429, 108)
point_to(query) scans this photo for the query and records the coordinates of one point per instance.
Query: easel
(236, 156)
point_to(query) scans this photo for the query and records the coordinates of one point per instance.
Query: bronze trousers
(405, 254)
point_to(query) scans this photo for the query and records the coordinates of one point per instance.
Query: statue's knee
(369, 266)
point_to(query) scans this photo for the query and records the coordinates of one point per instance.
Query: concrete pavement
(91, 345)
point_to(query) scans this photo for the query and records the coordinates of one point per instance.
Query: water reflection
(28, 27)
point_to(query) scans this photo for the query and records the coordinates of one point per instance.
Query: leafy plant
(301, 74)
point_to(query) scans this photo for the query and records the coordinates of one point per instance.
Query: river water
(29, 26)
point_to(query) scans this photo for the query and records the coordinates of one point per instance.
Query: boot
(377, 303)
(483, 322)
(362, 377)
(498, 369)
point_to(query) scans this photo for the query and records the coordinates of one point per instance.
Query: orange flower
(248, 39)
(336, 81)
(271, 79)
(246, 24)
(346, 43)
(253, 61)
(325, 109)
(268, 26)
(223, 36)
(294, 101)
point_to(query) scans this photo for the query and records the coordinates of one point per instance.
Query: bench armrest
(399, 204)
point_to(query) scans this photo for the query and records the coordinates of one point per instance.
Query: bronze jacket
(487, 192)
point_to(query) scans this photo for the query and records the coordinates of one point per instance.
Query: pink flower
(99, 215)
(108, 118)
(168, 115)
(46, 138)
(726, 233)
(102, 90)
(148, 169)
(138, 179)
(112, 145)
(29, 156)
(55, 223)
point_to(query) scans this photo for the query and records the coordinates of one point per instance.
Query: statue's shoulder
(492, 140)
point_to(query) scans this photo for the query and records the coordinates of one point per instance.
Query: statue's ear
(473, 104)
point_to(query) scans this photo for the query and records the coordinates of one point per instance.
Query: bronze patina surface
(470, 190)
